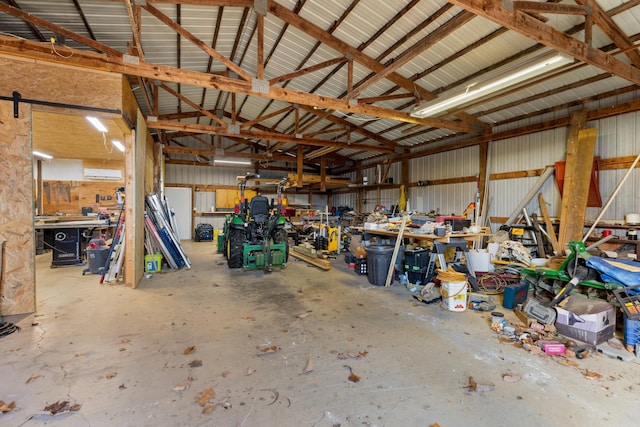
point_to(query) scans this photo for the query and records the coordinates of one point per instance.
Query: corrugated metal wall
(617, 137)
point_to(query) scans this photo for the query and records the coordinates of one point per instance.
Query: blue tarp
(620, 271)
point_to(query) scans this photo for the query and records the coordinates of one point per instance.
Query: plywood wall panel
(58, 83)
(69, 197)
(17, 281)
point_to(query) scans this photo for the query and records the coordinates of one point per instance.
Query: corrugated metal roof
(382, 30)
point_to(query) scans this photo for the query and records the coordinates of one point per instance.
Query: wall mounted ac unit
(114, 174)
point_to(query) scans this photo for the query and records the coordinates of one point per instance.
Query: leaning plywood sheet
(576, 191)
(17, 278)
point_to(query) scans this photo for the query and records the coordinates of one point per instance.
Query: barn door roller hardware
(16, 98)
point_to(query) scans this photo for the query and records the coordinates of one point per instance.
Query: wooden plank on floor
(320, 263)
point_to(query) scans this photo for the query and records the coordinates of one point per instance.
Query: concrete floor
(119, 353)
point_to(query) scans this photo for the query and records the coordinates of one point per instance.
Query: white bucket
(454, 295)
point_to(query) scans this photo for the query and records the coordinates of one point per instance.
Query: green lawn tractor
(256, 237)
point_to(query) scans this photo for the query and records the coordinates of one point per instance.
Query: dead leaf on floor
(205, 396)
(122, 386)
(122, 349)
(284, 331)
(510, 378)
(189, 350)
(268, 350)
(250, 371)
(434, 425)
(7, 407)
(309, 367)
(359, 355)
(125, 341)
(592, 375)
(61, 408)
(225, 374)
(352, 376)
(111, 375)
(182, 386)
(33, 378)
(474, 386)
(303, 315)
(349, 338)
(208, 409)
(248, 317)
(195, 363)
(566, 362)
(79, 354)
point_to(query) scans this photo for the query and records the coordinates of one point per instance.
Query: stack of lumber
(308, 253)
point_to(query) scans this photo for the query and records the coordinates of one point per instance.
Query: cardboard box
(587, 320)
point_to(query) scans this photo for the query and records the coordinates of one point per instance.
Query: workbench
(68, 237)
(459, 241)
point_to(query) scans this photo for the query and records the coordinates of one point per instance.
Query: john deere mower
(255, 237)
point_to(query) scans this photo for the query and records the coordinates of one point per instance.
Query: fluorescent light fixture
(118, 144)
(517, 75)
(44, 156)
(233, 162)
(97, 123)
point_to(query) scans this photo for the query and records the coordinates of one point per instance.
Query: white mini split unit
(113, 174)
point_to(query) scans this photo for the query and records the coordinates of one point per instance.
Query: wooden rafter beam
(192, 104)
(417, 49)
(135, 28)
(374, 99)
(343, 122)
(235, 3)
(250, 123)
(252, 134)
(179, 29)
(325, 37)
(555, 8)
(306, 70)
(612, 30)
(530, 27)
(166, 73)
(34, 20)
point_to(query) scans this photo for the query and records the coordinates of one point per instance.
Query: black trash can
(378, 263)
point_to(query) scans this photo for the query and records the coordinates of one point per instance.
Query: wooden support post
(323, 173)
(299, 182)
(260, 55)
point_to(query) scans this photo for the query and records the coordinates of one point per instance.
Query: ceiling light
(118, 144)
(233, 162)
(44, 156)
(97, 123)
(519, 74)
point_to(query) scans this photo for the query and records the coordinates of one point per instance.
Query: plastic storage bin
(378, 263)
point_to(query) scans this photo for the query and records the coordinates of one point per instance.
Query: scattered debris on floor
(183, 385)
(474, 386)
(32, 378)
(204, 398)
(303, 315)
(195, 363)
(358, 355)
(309, 367)
(268, 350)
(248, 317)
(189, 350)
(7, 407)
(352, 376)
(592, 375)
(250, 371)
(61, 408)
(510, 378)
(111, 375)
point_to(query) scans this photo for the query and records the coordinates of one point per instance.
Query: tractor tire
(235, 248)
(280, 236)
